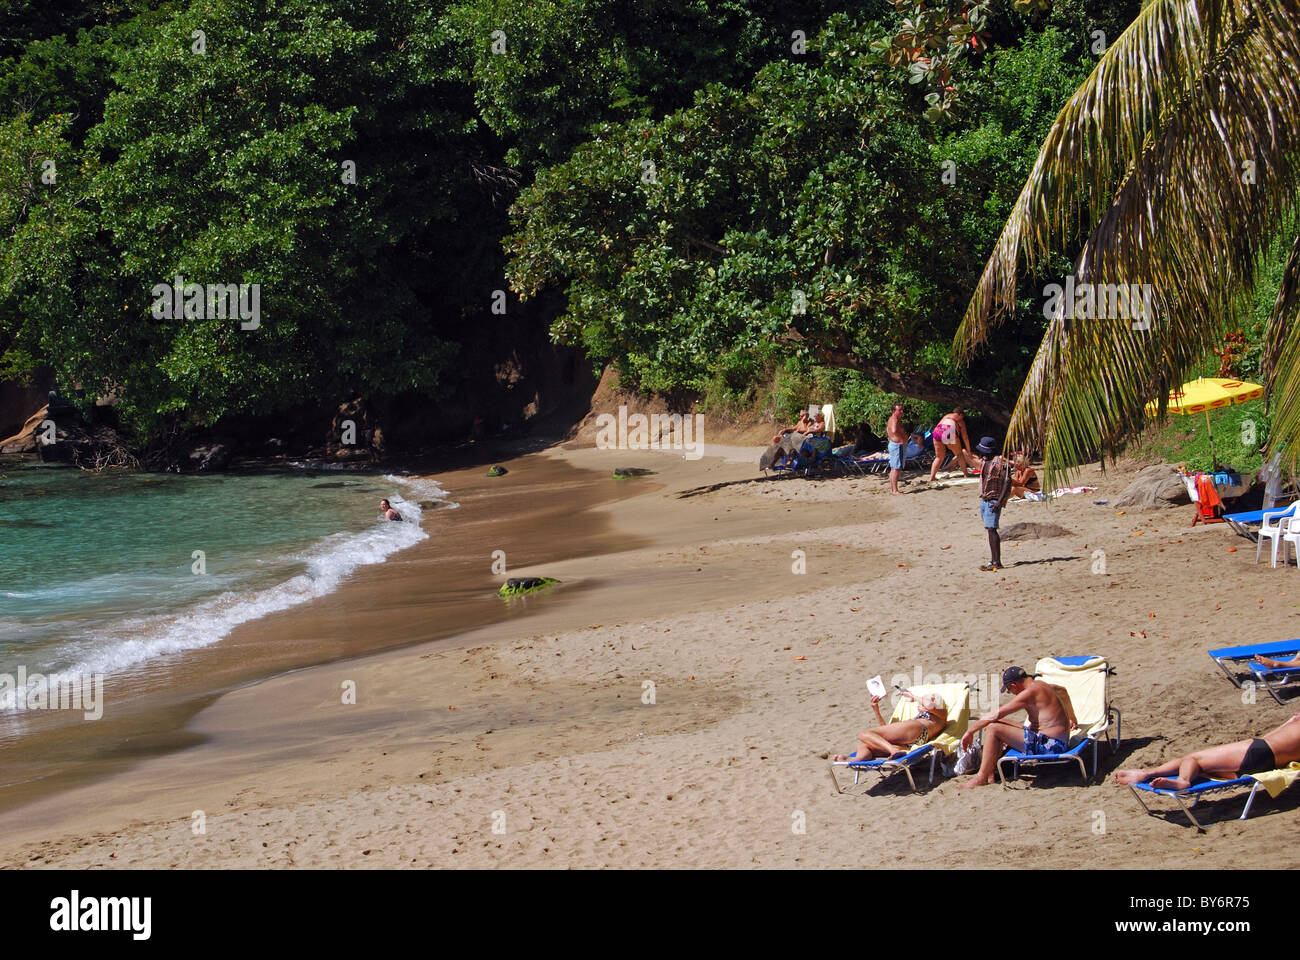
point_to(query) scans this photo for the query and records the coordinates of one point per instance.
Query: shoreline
(147, 712)
(756, 674)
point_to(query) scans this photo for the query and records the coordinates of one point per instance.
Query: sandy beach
(672, 702)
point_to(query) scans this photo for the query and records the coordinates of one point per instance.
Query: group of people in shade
(1051, 718)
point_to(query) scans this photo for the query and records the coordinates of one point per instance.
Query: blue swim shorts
(1037, 745)
(896, 455)
(990, 513)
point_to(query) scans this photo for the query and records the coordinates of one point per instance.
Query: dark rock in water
(327, 486)
(497, 471)
(623, 472)
(430, 504)
(1033, 531)
(210, 456)
(518, 585)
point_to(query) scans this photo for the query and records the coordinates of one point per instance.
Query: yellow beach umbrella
(1205, 394)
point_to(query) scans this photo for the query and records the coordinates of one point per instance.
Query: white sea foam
(130, 644)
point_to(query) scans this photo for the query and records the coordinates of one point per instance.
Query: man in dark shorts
(1274, 750)
(995, 490)
(389, 512)
(1051, 718)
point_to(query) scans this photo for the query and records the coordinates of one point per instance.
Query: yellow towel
(1275, 781)
(956, 696)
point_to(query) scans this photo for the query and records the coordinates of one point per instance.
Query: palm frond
(1178, 157)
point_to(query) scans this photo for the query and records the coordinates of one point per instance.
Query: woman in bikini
(950, 434)
(895, 739)
(1275, 749)
(1023, 478)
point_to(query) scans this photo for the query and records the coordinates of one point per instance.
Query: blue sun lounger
(1232, 659)
(1196, 791)
(1247, 524)
(1084, 679)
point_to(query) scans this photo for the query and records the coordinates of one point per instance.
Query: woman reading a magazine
(890, 740)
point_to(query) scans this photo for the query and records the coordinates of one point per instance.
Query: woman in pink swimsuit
(950, 434)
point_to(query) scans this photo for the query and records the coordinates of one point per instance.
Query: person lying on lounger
(1275, 749)
(1270, 662)
(1051, 718)
(890, 740)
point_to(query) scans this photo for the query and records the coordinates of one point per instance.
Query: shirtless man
(897, 446)
(389, 512)
(1051, 718)
(1275, 749)
(802, 426)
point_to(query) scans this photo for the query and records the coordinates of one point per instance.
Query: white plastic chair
(1289, 528)
(1272, 525)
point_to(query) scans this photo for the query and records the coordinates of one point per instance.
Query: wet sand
(672, 702)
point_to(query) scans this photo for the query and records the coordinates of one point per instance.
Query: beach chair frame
(1195, 792)
(1241, 525)
(886, 767)
(1272, 679)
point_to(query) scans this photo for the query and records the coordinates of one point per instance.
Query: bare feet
(1127, 777)
(975, 782)
(841, 758)
(1169, 783)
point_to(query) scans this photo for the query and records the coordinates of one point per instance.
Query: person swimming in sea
(389, 512)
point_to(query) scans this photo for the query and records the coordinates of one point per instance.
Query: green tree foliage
(688, 165)
(227, 166)
(826, 208)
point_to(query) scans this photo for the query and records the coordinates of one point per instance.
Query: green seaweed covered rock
(519, 585)
(623, 473)
(497, 471)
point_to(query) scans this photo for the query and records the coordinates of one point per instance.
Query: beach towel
(1062, 491)
(787, 446)
(1275, 781)
(1206, 495)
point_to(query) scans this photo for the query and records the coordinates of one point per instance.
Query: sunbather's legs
(998, 735)
(880, 742)
(1222, 761)
(940, 454)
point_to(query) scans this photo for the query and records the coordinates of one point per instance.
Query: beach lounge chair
(957, 696)
(1273, 781)
(1232, 660)
(1084, 679)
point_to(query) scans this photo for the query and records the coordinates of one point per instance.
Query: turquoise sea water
(98, 572)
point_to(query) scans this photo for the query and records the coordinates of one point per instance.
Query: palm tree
(1176, 164)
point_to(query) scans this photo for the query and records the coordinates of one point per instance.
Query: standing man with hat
(1051, 718)
(995, 490)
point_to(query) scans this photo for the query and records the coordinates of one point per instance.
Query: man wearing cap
(1051, 718)
(995, 490)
